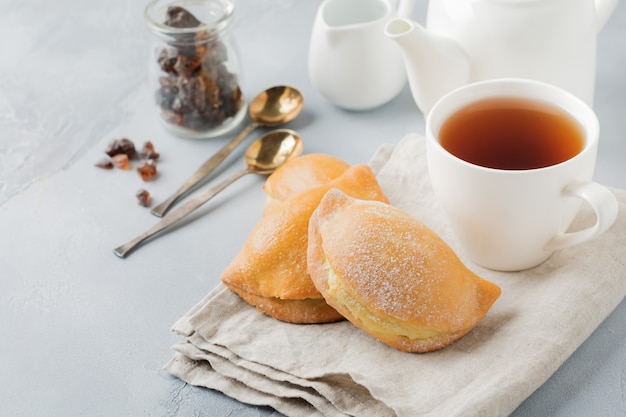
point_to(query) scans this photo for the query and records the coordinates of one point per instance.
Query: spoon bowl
(276, 106)
(270, 108)
(264, 156)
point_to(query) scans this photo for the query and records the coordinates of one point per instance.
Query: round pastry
(300, 174)
(392, 276)
(270, 271)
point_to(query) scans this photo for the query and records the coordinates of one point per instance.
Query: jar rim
(156, 9)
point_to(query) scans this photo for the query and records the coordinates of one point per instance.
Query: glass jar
(194, 68)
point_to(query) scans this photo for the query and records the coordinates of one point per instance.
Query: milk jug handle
(604, 8)
(405, 7)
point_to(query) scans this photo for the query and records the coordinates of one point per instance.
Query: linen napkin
(335, 369)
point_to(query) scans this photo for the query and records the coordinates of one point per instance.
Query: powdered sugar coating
(391, 275)
(273, 262)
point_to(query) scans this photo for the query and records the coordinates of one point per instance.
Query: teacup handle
(603, 203)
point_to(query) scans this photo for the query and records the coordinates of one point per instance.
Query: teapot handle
(604, 8)
(405, 7)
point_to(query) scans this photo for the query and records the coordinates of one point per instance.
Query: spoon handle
(178, 214)
(202, 172)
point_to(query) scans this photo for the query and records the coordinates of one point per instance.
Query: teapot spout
(435, 65)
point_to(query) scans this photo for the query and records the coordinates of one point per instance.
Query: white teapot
(465, 41)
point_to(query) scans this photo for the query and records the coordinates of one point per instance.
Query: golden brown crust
(300, 174)
(306, 311)
(392, 276)
(272, 263)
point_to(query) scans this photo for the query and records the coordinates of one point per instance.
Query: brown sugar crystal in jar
(194, 68)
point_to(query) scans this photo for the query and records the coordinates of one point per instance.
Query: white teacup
(514, 218)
